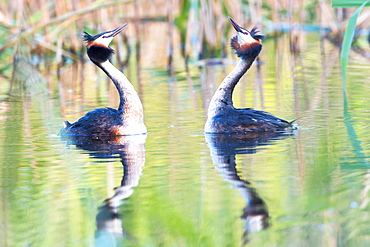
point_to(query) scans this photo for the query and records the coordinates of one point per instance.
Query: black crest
(88, 38)
(254, 34)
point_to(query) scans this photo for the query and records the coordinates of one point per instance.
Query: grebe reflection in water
(130, 151)
(223, 150)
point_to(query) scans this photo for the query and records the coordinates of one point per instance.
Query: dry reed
(54, 26)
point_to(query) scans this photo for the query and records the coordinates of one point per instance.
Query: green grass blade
(348, 3)
(357, 148)
(346, 47)
(347, 42)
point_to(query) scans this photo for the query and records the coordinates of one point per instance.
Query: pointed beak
(118, 30)
(235, 25)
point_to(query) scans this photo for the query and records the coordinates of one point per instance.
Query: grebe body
(223, 117)
(128, 119)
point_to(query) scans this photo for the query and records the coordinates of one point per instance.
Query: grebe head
(247, 44)
(98, 48)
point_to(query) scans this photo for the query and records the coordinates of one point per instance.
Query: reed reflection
(223, 149)
(131, 152)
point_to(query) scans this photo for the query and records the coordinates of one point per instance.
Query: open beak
(118, 30)
(235, 25)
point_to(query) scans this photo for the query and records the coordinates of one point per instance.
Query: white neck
(223, 95)
(130, 103)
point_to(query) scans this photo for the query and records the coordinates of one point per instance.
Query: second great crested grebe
(128, 119)
(223, 117)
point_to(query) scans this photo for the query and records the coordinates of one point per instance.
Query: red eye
(104, 36)
(245, 33)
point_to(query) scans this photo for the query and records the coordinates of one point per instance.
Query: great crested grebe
(223, 117)
(128, 119)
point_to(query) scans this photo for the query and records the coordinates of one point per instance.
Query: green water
(180, 187)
